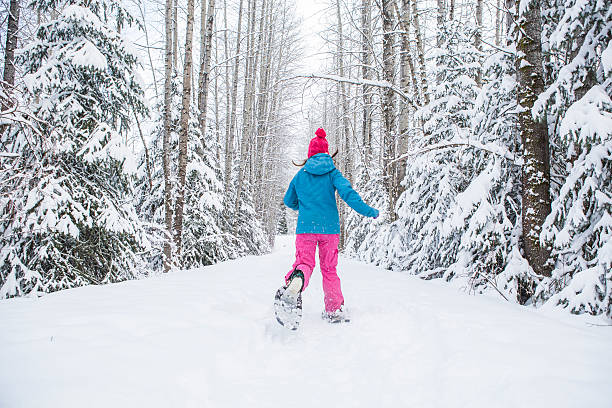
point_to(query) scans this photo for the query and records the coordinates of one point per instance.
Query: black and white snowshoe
(339, 316)
(288, 301)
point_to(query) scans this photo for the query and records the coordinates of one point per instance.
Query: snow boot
(288, 301)
(338, 316)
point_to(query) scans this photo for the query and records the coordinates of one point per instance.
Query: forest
(140, 137)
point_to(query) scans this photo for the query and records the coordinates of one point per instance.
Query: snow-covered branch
(355, 81)
(488, 147)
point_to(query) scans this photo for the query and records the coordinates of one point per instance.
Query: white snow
(207, 338)
(88, 55)
(606, 59)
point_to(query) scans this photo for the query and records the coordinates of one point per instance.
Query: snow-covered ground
(208, 338)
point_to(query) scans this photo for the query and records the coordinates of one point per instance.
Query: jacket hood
(320, 163)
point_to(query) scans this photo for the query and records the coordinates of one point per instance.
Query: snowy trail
(208, 338)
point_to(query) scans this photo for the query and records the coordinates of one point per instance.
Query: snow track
(208, 338)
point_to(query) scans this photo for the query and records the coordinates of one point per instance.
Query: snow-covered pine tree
(486, 213)
(72, 222)
(248, 234)
(206, 238)
(366, 239)
(149, 194)
(421, 239)
(282, 220)
(205, 241)
(579, 228)
(436, 175)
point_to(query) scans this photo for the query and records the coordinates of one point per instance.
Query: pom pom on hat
(318, 144)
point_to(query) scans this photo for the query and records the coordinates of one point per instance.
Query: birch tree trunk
(249, 81)
(184, 129)
(406, 74)
(229, 145)
(421, 52)
(346, 126)
(345, 121)
(388, 110)
(534, 135)
(263, 116)
(441, 17)
(206, 33)
(366, 51)
(498, 23)
(166, 138)
(478, 39)
(217, 102)
(175, 42)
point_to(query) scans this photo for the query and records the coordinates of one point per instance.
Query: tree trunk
(366, 51)
(498, 23)
(346, 157)
(184, 129)
(346, 126)
(478, 39)
(421, 52)
(166, 138)
(229, 146)
(534, 136)
(406, 74)
(217, 102)
(175, 36)
(263, 116)
(11, 44)
(441, 17)
(247, 107)
(206, 33)
(388, 109)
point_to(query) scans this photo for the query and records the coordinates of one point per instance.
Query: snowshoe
(338, 316)
(288, 301)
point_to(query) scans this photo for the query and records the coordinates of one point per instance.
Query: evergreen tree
(365, 238)
(486, 213)
(205, 239)
(282, 221)
(435, 177)
(72, 221)
(578, 99)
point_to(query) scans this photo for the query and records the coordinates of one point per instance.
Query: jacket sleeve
(350, 196)
(291, 199)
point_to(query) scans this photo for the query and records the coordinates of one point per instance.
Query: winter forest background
(141, 136)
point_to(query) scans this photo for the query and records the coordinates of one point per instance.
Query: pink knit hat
(318, 144)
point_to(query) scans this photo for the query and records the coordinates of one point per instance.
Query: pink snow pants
(305, 246)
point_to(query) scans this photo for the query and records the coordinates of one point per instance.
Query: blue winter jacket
(313, 193)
